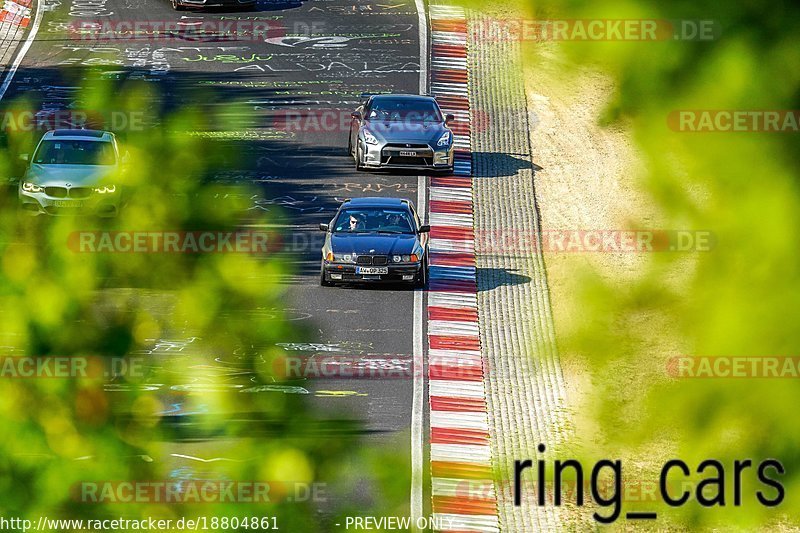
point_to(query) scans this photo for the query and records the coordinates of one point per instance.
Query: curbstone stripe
(461, 455)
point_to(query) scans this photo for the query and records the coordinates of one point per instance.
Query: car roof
(375, 201)
(87, 135)
(403, 96)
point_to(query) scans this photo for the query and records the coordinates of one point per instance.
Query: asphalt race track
(311, 68)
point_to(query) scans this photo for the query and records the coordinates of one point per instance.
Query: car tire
(359, 157)
(422, 279)
(176, 6)
(322, 281)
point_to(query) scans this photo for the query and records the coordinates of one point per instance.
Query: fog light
(336, 276)
(441, 158)
(408, 277)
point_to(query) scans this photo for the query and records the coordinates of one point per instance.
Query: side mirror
(449, 118)
(356, 115)
(24, 157)
(324, 227)
(424, 228)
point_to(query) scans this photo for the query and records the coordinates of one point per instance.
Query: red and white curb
(463, 492)
(16, 13)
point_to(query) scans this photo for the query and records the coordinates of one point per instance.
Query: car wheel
(422, 277)
(322, 281)
(176, 6)
(359, 158)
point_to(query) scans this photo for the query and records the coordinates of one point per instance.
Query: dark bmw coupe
(375, 240)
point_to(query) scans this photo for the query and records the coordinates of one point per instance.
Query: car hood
(75, 175)
(407, 132)
(373, 244)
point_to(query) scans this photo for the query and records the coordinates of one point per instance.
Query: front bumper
(39, 203)
(347, 273)
(407, 156)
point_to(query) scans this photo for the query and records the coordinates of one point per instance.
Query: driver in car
(355, 223)
(396, 221)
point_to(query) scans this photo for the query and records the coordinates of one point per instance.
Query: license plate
(408, 154)
(372, 270)
(68, 203)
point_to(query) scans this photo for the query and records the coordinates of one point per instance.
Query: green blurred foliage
(741, 298)
(217, 307)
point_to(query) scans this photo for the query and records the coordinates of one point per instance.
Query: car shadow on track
(492, 278)
(498, 165)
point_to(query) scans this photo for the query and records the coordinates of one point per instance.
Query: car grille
(63, 192)
(80, 192)
(378, 260)
(56, 192)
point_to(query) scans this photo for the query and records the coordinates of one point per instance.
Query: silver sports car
(401, 131)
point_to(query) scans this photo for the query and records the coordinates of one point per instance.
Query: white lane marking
(417, 408)
(212, 460)
(37, 21)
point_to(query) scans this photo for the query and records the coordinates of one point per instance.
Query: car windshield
(374, 220)
(73, 152)
(404, 109)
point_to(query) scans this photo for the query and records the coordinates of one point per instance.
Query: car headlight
(413, 258)
(344, 258)
(444, 140)
(369, 138)
(106, 189)
(31, 187)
